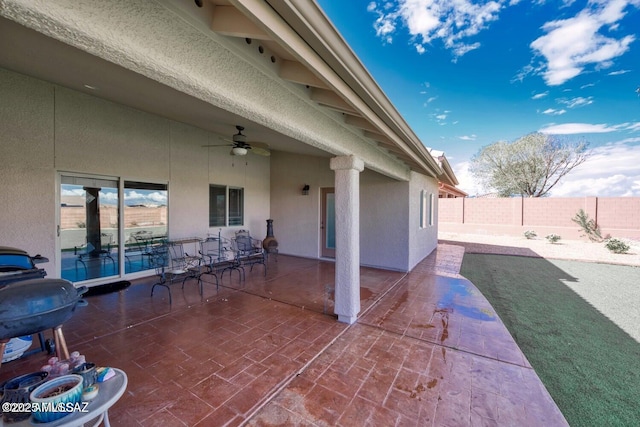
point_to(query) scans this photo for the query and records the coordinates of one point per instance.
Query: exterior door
(88, 229)
(328, 223)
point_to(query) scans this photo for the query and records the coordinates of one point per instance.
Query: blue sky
(467, 73)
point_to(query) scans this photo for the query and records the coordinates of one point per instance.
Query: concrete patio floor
(427, 350)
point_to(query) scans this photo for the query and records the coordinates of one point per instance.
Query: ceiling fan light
(239, 151)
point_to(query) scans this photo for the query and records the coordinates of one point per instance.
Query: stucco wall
(27, 194)
(384, 221)
(390, 236)
(296, 218)
(47, 129)
(422, 241)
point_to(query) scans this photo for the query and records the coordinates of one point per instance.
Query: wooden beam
(360, 122)
(331, 100)
(294, 71)
(378, 137)
(229, 21)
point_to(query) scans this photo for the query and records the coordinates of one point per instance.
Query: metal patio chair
(172, 266)
(218, 257)
(249, 251)
(88, 253)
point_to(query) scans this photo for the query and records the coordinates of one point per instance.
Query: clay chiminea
(270, 244)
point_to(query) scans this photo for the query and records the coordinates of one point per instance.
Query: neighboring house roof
(447, 179)
(446, 174)
(450, 189)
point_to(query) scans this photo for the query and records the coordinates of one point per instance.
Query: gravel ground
(565, 249)
(609, 282)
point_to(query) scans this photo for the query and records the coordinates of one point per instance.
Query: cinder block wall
(616, 216)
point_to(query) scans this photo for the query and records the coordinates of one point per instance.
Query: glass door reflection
(88, 228)
(145, 222)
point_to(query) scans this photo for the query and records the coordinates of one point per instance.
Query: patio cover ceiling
(297, 35)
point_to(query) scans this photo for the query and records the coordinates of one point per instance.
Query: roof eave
(342, 70)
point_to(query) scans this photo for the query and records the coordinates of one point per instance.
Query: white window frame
(432, 209)
(427, 209)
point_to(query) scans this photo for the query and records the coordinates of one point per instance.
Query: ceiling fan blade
(217, 145)
(257, 144)
(260, 148)
(260, 151)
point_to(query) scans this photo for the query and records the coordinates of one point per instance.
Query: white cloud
(578, 128)
(467, 182)
(429, 20)
(72, 192)
(468, 137)
(133, 197)
(611, 171)
(619, 72)
(540, 95)
(629, 141)
(576, 102)
(554, 112)
(108, 197)
(461, 49)
(440, 116)
(572, 44)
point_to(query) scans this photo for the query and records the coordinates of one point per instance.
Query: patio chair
(249, 251)
(88, 253)
(218, 257)
(171, 267)
(138, 248)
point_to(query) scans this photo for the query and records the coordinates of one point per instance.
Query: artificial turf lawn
(588, 364)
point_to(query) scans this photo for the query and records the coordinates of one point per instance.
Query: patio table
(109, 393)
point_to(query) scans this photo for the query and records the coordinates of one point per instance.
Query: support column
(347, 204)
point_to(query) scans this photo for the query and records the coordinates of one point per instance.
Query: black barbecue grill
(29, 303)
(17, 265)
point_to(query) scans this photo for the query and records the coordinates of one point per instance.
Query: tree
(529, 166)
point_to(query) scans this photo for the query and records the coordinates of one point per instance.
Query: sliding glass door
(95, 212)
(88, 227)
(144, 221)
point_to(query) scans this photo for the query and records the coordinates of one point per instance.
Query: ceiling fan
(240, 146)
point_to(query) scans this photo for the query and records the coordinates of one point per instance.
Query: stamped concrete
(427, 350)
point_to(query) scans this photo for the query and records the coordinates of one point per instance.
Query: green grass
(588, 364)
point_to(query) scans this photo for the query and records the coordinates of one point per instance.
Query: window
(236, 206)
(432, 208)
(427, 209)
(423, 209)
(226, 206)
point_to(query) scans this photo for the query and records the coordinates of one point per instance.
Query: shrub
(617, 246)
(587, 226)
(552, 238)
(530, 234)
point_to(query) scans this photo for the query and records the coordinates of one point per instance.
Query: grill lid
(16, 264)
(30, 306)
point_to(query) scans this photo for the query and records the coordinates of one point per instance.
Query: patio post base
(347, 319)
